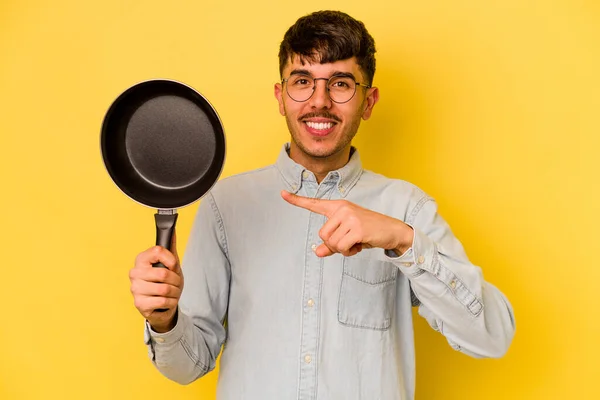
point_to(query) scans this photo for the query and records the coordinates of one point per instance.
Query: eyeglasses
(340, 88)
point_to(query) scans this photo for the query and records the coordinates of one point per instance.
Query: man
(306, 271)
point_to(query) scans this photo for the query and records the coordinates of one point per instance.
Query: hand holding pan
(163, 145)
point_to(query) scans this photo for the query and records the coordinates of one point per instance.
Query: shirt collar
(344, 178)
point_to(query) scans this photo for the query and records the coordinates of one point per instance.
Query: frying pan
(163, 145)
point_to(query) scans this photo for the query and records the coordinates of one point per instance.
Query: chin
(318, 151)
(321, 154)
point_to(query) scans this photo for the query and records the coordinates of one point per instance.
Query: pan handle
(165, 226)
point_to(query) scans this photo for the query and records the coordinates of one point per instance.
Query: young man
(306, 271)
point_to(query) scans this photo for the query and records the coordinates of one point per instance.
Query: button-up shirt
(292, 325)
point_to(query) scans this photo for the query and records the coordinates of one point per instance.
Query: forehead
(323, 70)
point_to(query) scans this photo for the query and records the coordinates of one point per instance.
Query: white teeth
(321, 126)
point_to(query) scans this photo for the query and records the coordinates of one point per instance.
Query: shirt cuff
(418, 258)
(153, 338)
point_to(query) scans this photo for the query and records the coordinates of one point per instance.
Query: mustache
(321, 114)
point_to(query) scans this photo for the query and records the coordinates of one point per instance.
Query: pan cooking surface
(163, 144)
(169, 142)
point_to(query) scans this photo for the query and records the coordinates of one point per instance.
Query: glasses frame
(285, 80)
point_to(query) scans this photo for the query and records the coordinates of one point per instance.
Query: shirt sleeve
(473, 315)
(191, 348)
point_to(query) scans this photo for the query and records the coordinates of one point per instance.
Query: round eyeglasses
(340, 88)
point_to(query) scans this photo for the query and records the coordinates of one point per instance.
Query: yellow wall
(490, 106)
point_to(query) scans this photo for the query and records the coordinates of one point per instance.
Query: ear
(372, 99)
(279, 97)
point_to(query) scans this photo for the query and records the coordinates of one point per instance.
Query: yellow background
(492, 107)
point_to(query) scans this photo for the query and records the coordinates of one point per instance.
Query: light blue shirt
(296, 326)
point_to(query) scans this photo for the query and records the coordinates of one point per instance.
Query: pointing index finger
(319, 206)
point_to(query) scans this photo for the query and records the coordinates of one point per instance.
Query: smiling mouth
(320, 126)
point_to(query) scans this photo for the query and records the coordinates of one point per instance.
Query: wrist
(405, 236)
(164, 326)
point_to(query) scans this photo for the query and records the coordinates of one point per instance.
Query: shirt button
(342, 189)
(159, 340)
(307, 358)
(407, 264)
(294, 187)
(313, 247)
(453, 284)
(310, 302)
(421, 260)
(305, 175)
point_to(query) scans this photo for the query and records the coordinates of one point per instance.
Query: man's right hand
(157, 288)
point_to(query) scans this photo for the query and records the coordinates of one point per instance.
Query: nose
(320, 98)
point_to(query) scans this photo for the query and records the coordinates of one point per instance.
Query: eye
(341, 83)
(301, 81)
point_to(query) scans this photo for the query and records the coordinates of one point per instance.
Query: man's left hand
(350, 228)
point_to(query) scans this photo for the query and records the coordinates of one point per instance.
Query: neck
(320, 166)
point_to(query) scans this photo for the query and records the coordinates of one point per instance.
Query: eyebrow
(335, 73)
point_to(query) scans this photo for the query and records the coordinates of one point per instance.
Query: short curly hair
(329, 36)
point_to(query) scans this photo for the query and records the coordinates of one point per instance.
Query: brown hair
(329, 36)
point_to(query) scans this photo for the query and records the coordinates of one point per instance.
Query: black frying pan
(163, 145)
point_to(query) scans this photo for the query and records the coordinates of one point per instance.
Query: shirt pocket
(367, 293)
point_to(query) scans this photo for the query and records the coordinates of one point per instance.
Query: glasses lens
(300, 87)
(341, 88)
